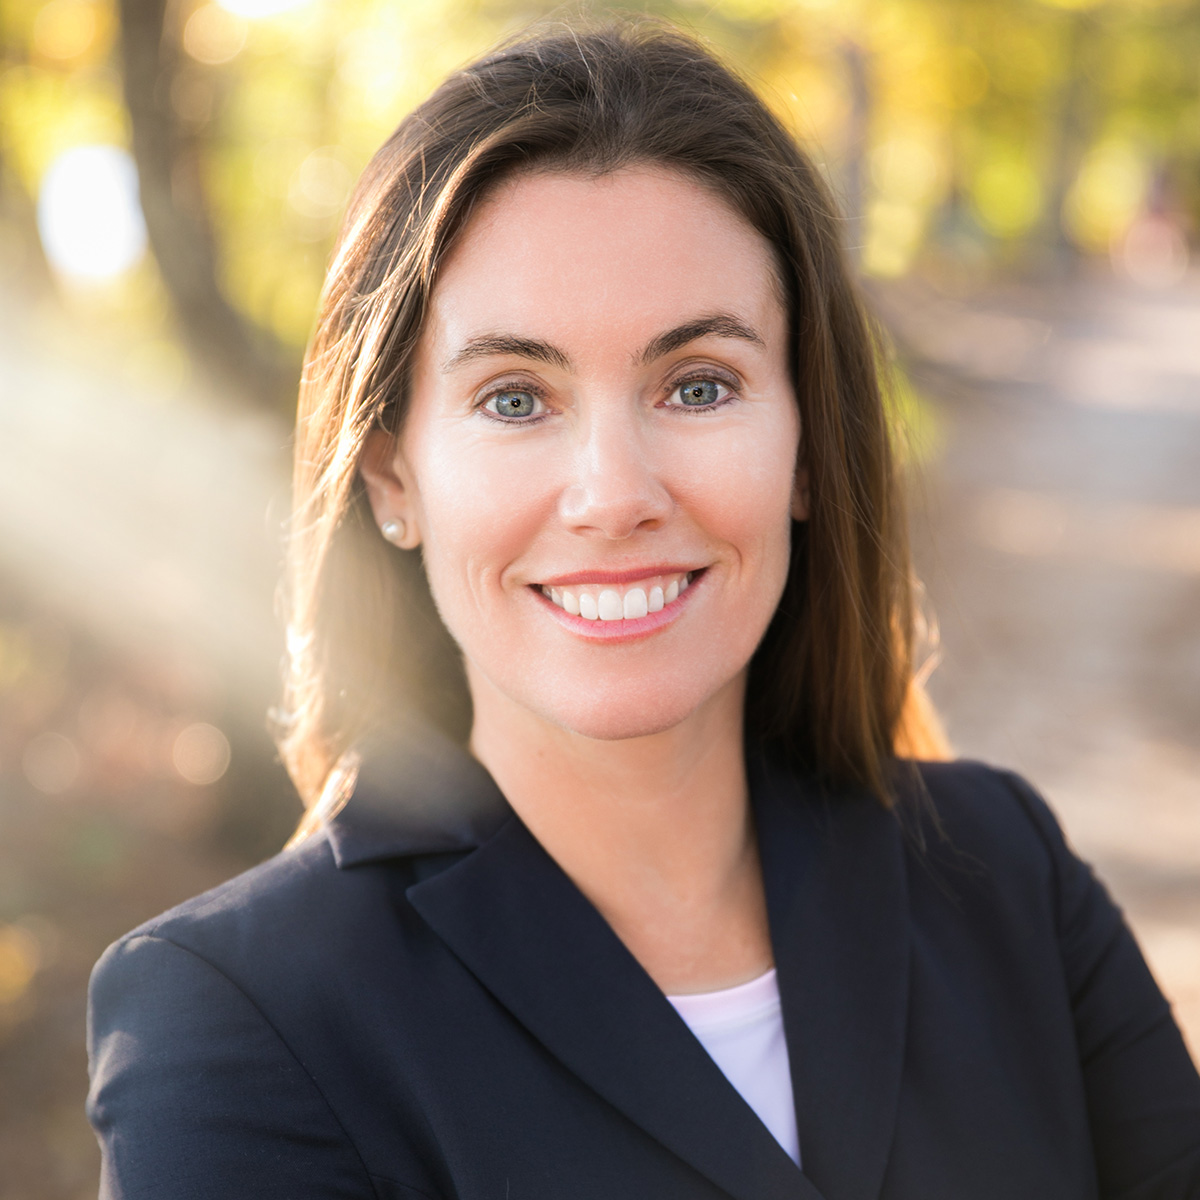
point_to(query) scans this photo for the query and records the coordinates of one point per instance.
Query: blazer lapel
(539, 946)
(415, 792)
(837, 904)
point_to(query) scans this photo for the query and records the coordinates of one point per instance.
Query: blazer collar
(417, 792)
(544, 952)
(837, 903)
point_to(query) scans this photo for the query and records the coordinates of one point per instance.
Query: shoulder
(245, 916)
(193, 968)
(980, 809)
(269, 889)
(974, 792)
(974, 828)
(297, 920)
(205, 1027)
(984, 835)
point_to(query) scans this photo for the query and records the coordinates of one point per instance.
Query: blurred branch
(855, 63)
(223, 341)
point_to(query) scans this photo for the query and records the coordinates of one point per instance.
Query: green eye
(513, 404)
(699, 393)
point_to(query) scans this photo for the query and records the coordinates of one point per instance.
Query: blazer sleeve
(1143, 1092)
(195, 1096)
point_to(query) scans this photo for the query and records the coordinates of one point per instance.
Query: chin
(617, 727)
(621, 712)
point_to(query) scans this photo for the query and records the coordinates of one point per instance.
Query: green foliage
(947, 124)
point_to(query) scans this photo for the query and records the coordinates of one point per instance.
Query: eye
(699, 393)
(513, 404)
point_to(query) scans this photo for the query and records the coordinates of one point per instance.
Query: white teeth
(610, 606)
(614, 604)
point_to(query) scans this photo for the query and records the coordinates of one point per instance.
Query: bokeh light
(51, 763)
(1153, 252)
(320, 185)
(1007, 194)
(201, 754)
(252, 9)
(19, 961)
(88, 213)
(213, 34)
(1106, 195)
(66, 29)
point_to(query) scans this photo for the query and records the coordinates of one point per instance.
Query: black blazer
(419, 1003)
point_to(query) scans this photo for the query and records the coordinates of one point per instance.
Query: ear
(800, 499)
(390, 489)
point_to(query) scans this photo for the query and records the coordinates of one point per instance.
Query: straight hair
(831, 686)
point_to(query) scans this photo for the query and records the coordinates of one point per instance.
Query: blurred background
(1021, 185)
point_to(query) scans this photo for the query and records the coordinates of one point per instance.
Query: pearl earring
(394, 531)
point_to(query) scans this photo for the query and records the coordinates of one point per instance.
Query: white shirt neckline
(729, 1006)
(742, 1029)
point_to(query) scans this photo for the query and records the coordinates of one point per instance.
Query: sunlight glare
(250, 9)
(89, 216)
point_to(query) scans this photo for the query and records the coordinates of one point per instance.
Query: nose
(617, 489)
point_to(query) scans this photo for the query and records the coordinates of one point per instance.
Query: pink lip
(616, 576)
(620, 631)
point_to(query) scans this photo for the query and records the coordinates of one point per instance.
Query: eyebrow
(496, 344)
(714, 325)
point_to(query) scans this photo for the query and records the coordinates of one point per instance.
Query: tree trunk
(238, 355)
(1056, 255)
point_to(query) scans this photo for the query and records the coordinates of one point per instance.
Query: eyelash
(538, 394)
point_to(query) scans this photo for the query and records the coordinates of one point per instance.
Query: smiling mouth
(601, 602)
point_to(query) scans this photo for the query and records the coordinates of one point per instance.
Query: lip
(618, 577)
(625, 630)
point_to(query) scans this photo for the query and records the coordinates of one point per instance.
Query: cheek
(740, 488)
(478, 511)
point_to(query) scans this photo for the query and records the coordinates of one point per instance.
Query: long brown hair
(832, 683)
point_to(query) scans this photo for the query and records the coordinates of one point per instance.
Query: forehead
(560, 254)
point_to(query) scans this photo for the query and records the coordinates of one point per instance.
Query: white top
(742, 1030)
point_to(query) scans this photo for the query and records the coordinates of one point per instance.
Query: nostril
(616, 505)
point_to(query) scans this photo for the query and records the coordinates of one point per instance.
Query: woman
(681, 923)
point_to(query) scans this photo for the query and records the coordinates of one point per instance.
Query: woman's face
(600, 453)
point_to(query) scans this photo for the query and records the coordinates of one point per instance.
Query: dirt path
(1058, 533)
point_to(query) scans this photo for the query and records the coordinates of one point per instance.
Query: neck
(655, 830)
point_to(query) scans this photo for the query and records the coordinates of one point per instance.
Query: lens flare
(89, 216)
